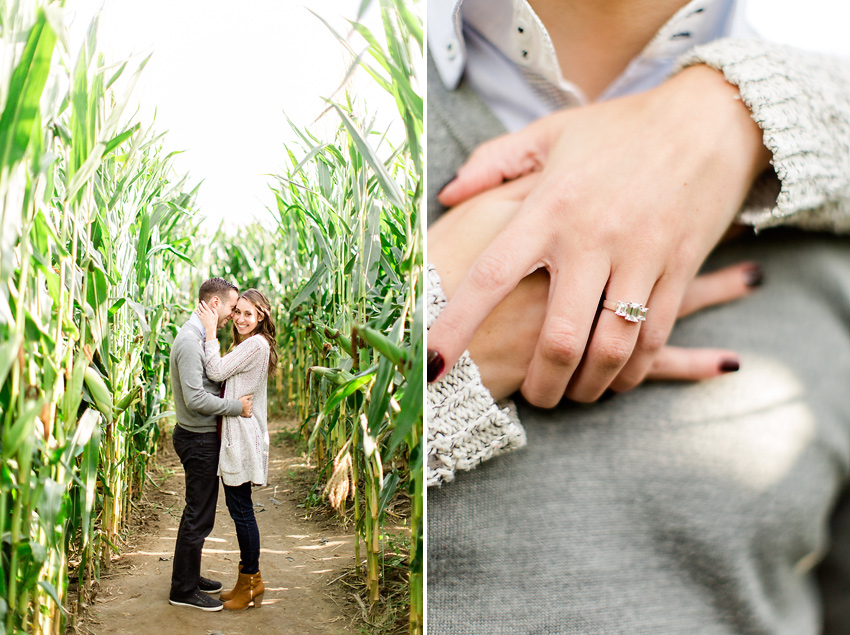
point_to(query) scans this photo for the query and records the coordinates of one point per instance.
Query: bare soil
(300, 559)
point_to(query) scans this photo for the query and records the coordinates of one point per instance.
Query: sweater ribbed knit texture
(465, 425)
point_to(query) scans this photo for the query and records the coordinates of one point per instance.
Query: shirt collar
(445, 40)
(195, 322)
(527, 43)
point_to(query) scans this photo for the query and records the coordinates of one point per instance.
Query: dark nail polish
(754, 277)
(606, 395)
(435, 365)
(447, 183)
(729, 365)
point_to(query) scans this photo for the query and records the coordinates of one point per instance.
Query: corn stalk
(92, 226)
(343, 269)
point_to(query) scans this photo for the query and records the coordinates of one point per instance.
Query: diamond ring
(632, 311)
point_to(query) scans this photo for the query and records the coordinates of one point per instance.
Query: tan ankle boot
(228, 595)
(249, 590)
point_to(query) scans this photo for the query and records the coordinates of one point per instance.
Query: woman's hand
(633, 196)
(209, 319)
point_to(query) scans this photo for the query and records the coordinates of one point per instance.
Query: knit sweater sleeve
(248, 357)
(801, 100)
(465, 425)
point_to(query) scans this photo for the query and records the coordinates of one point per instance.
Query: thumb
(501, 159)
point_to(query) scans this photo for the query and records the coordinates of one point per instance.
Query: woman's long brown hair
(265, 328)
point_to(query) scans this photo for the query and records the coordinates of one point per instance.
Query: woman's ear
(261, 315)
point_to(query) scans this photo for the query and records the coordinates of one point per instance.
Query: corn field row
(343, 269)
(93, 226)
(96, 269)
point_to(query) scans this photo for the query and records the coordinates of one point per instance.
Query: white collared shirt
(196, 323)
(508, 59)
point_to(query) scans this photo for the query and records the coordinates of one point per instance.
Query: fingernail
(729, 365)
(435, 365)
(606, 395)
(754, 277)
(449, 182)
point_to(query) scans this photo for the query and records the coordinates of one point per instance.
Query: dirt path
(298, 559)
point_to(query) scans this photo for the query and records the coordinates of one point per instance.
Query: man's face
(225, 307)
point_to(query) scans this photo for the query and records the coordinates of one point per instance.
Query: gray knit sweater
(196, 396)
(801, 100)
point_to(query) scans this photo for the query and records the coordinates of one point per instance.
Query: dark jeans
(241, 510)
(199, 454)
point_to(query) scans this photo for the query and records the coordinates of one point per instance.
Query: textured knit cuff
(801, 100)
(465, 425)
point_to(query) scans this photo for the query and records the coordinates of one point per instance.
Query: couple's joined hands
(504, 344)
(209, 318)
(632, 196)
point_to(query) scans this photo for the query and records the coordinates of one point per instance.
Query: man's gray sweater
(196, 397)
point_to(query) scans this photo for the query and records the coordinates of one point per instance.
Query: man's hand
(634, 194)
(247, 405)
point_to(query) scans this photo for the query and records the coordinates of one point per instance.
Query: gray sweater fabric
(196, 397)
(719, 507)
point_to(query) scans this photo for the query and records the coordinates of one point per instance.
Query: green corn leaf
(411, 21)
(380, 396)
(85, 172)
(127, 400)
(152, 421)
(410, 405)
(388, 488)
(117, 141)
(24, 93)
(381, 343)
(51, 591)
(309, 287)
(49, 508)
(388, 185)
(89, 475)
(172, 250)
(85, 430)
(344, 391)
(22, 430)
(116, 75)
(8, 354)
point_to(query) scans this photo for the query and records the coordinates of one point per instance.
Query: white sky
(221, 77)
(820, 25)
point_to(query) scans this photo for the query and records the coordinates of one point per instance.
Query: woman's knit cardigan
(244, 440)
(801, 100)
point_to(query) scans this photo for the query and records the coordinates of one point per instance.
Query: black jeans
(198, 453)
(241, 510)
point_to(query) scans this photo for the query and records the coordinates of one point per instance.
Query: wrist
(724, 119)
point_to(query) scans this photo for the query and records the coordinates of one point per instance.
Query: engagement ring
(632, 311)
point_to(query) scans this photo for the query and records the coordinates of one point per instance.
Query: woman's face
(246, 317)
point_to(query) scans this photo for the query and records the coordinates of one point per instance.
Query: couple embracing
(221, 431)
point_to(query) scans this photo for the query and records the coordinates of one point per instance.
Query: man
(196, 441)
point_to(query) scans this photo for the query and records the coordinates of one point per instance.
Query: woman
(669, 509)
(244, 456)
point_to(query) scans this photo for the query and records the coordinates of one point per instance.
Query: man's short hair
(215, 287)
